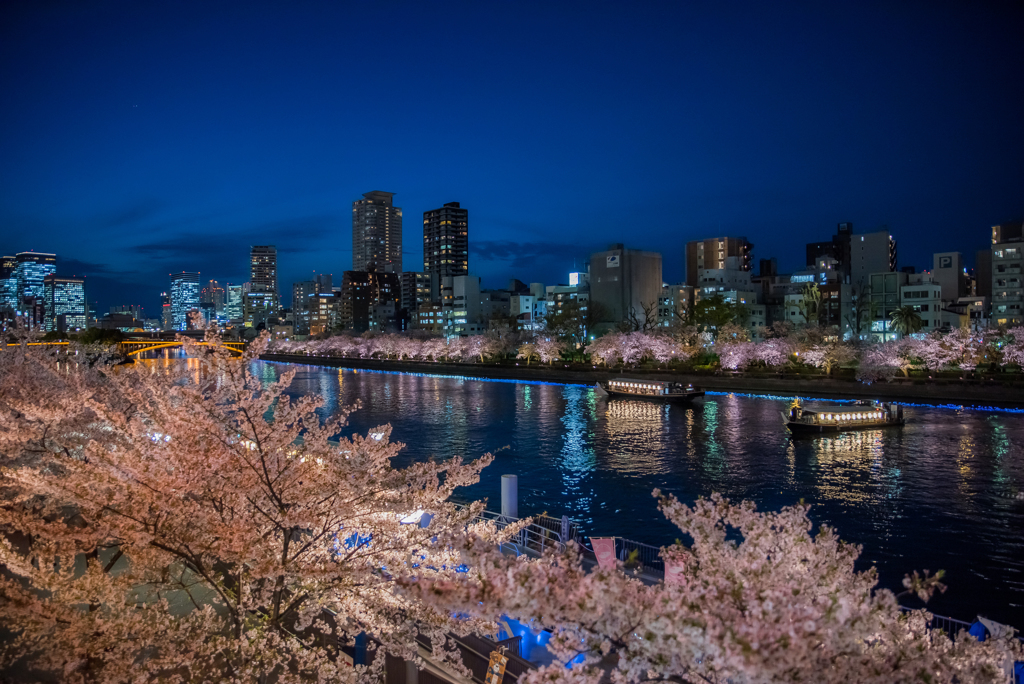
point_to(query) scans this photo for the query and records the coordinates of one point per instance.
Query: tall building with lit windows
(377, 233)
(184, 298)
(30, 270)
(63, 303)
(445, 245)
(263, 300)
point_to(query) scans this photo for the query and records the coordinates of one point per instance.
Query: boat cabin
(648, 387)
(844, 415)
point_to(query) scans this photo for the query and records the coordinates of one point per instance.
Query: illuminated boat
(807, 420)
(654, 390)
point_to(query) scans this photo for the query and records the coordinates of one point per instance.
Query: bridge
(133, 347)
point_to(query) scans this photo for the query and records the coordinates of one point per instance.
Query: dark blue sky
(139, 138)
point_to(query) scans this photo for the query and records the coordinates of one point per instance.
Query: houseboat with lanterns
(654, 390)
(813, 420)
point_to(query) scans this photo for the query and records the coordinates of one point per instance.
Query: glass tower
(184, 298)
(63, 303)
(31, 269)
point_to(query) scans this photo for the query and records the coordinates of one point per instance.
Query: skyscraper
(63, 303)
(233, 306)
(184, 298)
(376, 233)
(263, 300)
(445, 244)
(30, 270)
(213, 293)
(8, 284)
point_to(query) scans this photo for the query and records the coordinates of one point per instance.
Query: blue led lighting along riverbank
(774, 397)
(940, 493)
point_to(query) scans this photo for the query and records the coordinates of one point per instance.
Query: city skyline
(694, 123)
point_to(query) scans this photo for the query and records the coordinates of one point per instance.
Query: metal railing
(536, 537)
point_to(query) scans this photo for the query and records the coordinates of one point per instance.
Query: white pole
(510, 496)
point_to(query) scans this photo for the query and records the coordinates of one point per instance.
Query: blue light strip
(775, 397)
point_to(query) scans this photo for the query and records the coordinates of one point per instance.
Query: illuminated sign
(574, 279)
(612, 261)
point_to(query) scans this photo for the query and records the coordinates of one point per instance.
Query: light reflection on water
(938, 494)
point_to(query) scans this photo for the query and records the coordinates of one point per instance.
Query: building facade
(29, 271)
(717, 253)
(377, 233)
(184, 295)
(1007, 273)
(625, 284)
(367, 298)
(63, 303)
(445, 244)
(263, 300)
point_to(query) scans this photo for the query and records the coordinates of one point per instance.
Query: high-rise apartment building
(184, 298)
(63, 303)
(871, 253)
(625, 285)
(166, 312)
(302, 304)
(8, 284)
(377, 233)
(716, 253)
(263, 300)
(415, 290)
(445, 244)
(30, 270)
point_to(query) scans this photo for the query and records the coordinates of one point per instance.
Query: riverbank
(942, 391)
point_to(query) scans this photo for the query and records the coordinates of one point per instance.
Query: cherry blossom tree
(527, 351)
(885, 360)
(735, 355)
(195, 524)
(761, 599)
(607, 348)
(548, 349)
(1013, 348)
(633, 347)
(828, 356)
(774, 351)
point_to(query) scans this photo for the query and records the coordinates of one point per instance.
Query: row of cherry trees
(960, 349)
(193, 523)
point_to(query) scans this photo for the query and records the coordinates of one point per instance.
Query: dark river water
(940, 493)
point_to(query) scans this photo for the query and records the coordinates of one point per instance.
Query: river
(939, 493)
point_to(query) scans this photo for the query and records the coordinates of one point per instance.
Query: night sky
(139, 138)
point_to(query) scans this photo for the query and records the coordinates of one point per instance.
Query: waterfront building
(63, 303)
(445, 245)
(367, 298)
(528, 310)
(184, 294)
(885, 298)
(262, 301)
(838, 248)
(376, 233)
(924, 294)
(716, 253)
(626, 283)
(1007, 264)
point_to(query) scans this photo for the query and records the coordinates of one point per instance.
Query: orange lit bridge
(135, 346)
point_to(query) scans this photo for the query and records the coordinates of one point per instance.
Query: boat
(808, 420)
(653, 390)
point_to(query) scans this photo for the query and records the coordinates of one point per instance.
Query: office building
(445, 244)
(376, 233)
(715, 253)
(133, 310)
(625, 286)
(1007, 266)
(415, 290)
(233, 303)
(8, 285)
(324, 312)
(63, 303)
(184, 298)
(302, 304)
(29, 271)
